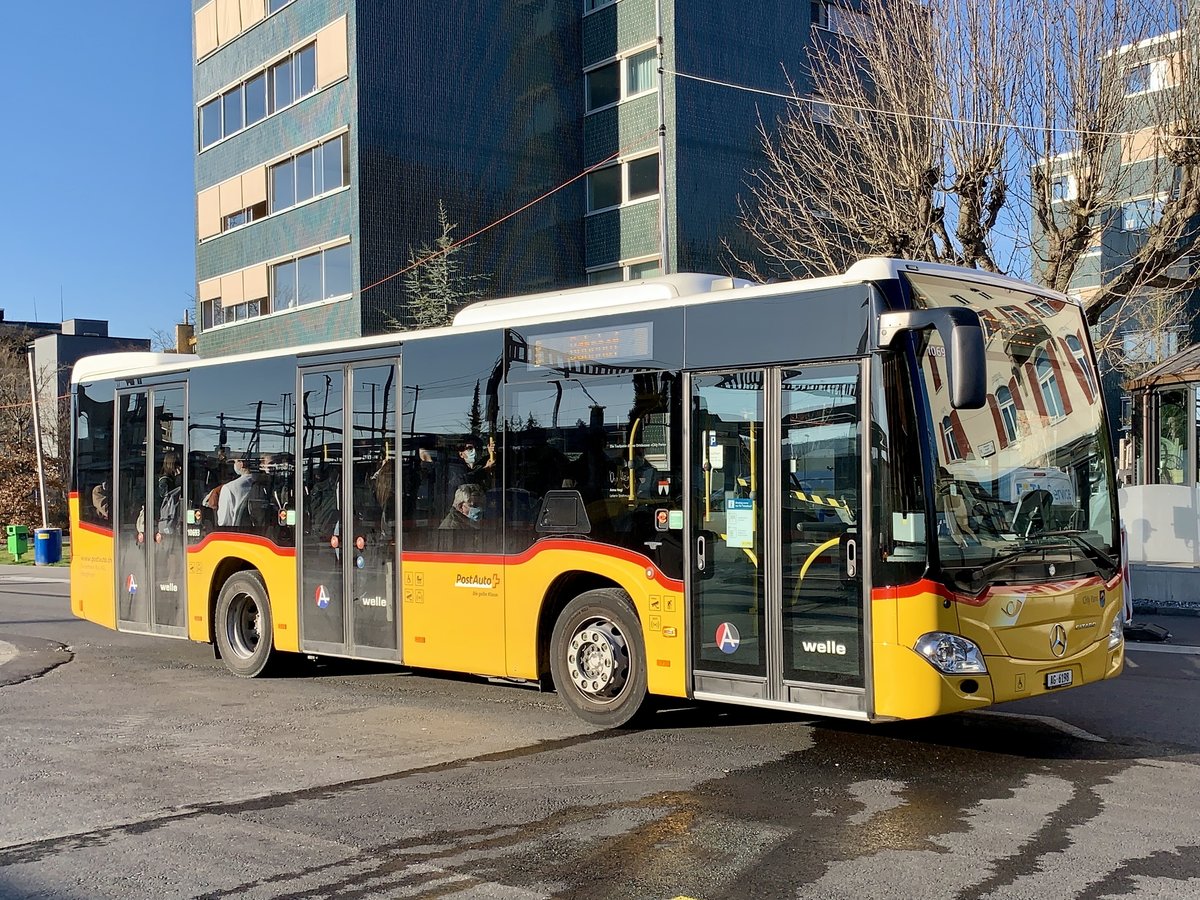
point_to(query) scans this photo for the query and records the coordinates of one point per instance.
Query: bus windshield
(1024, 488)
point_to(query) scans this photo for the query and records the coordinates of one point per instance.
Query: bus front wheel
(598, 659)
(243, 625)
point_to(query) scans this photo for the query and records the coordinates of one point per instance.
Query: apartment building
(328, 131)
(1146, 179)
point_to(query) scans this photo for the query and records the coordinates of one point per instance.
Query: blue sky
(98, 162)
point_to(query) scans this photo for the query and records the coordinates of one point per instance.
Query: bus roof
(557, 306)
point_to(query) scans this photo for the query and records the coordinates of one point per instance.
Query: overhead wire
(902, 114)
(627, 148)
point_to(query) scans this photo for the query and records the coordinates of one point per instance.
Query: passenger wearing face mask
(467, 512)
(473, 466)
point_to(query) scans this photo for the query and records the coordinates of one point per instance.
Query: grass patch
(27, 559)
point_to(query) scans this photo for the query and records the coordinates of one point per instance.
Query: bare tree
(19, 503)
(162, 340)
(1146, 330)
(968, 133)
(872, 161)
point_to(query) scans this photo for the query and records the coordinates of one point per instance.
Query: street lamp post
(37, 436)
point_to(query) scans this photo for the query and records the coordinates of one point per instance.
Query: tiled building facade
(328, 131)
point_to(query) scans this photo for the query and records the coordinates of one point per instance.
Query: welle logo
(829, 648)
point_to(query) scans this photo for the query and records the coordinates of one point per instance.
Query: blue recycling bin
(47, 546)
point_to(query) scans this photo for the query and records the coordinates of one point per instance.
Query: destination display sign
(625, 343)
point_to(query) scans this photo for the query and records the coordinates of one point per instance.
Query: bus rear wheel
(598, 659)
(243, 625)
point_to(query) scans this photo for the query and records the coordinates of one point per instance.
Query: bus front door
(151, 562)
(347, 555)
(776, 583)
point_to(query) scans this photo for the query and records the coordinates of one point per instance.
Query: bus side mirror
(962, 335)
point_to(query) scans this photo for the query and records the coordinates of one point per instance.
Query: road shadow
(1030, 737)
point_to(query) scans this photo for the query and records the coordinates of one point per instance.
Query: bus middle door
(776, 587)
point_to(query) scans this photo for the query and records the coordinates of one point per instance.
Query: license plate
(1058, 679)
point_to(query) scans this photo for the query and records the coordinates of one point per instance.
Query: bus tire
(598, 659)
(243, 625)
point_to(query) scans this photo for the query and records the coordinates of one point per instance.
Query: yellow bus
(882, 495)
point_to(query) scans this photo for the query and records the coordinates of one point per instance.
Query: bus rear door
(347, 506)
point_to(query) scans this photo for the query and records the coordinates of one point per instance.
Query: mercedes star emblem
(1058, 640)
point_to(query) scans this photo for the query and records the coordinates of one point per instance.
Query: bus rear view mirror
(962, 336)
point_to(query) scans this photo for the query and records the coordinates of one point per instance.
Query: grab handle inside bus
(962, 336)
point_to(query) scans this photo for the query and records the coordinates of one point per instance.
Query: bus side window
(93, 453)
(607, 437)
(451, 437)
(241, 449)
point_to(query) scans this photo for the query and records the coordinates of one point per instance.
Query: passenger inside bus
(472, 467)
(462, 525)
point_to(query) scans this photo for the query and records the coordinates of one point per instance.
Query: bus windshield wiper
(987, 570)
(1090, 549)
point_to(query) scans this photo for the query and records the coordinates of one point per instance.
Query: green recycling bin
(18, 540)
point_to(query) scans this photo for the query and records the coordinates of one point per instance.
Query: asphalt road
(136, 767)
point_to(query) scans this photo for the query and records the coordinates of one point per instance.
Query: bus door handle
(851, 558)
(701, 560)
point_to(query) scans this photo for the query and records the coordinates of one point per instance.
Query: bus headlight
(1117, 634)
(951, 654)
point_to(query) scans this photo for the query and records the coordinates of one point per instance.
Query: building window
(286, 82)
(1141, 214)
(950, 441)
(604, 188)
(833, 16)
(324, 275)
(1147, 76)
(648, 269)
(210, 122)
(607, 275)
(210, 314)
(642, 177)
(1062, 188)
(633, 271)
(1043, 306)
(1081, 360)
(603, 86)
(244, 216)
(630, 76)
(309, 174)
(1008, 413)
(1018, 315)
(274, 6)
(1048, 384)
(634, 179)
(592, 5)
(256, 99)
(213, 313)
(1149, 346)
(251, 309)
(640, 71)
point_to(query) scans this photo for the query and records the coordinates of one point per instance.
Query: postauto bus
(817, 496)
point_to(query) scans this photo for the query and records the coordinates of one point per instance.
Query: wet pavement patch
(34, 657)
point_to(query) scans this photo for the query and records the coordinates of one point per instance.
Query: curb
(1166, 608)
(41, 573)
